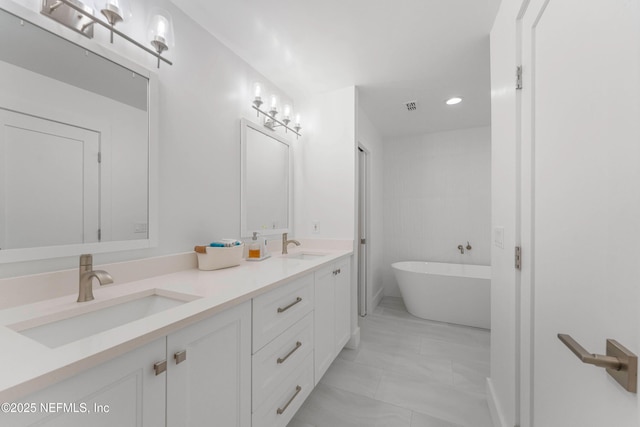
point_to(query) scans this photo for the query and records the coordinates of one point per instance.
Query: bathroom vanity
(236, 347)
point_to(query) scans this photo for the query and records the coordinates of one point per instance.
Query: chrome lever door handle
(619, 362)
(599, 360)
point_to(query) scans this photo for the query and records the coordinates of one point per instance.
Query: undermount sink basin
(306, 255)
(64, 328)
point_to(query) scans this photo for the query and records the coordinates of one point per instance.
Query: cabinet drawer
(278, 359)
(277, 310)
(286, 399)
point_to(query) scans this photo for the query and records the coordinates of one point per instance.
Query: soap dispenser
(255, 250)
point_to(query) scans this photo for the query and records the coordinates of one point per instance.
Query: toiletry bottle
(254, 247)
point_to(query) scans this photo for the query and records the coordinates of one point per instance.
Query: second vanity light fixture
(80, 17)
(270, 120)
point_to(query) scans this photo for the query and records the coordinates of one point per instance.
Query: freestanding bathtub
(454, 293)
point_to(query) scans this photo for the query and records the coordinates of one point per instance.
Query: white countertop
(28, 366)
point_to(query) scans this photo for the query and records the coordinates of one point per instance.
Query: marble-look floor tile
(353, 377)
(393, 302)
(331, 407)
(462, 353)
(380, 356)
(436, 399)
(406, 372)
(423, 420)
(423, 366)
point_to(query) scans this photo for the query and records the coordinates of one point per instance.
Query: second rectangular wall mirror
(266, 181)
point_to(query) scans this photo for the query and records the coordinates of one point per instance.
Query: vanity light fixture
(453, 101)
(270, 120)
(115, 11)
(79, 17)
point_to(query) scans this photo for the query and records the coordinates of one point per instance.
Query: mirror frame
(244, 230)
(49, 252)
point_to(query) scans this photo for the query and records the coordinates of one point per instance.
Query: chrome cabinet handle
(619, 362)
(280, 411)
(180, 356)
(283, 309)
(282, 359)
(160, 367)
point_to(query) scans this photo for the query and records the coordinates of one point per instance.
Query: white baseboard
(494, 406)
(354, 341)
(376, 299)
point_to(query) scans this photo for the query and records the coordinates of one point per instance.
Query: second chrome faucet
(285, 243)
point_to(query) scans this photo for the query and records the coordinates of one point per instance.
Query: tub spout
(461, 249)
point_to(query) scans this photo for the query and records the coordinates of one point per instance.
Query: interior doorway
(363, 223)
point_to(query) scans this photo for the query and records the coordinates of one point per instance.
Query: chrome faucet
(87, 273)
(285, 243)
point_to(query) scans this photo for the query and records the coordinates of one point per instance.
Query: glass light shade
(286, 110)
(274, 103)
(160, 31)
(257, 89)
(114, 10)
(298, 119)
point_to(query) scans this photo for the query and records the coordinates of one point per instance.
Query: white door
(362, 232)
(581, 205)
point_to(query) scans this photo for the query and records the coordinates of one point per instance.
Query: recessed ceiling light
(453, 101)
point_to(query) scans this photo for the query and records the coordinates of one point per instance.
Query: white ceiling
(393, 50)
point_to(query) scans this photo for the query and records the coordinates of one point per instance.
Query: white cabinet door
(324, 321)
(212, 385)
(581, 204)
(342, 303)
(332, 315)
(123, 392)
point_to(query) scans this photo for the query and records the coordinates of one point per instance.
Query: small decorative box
(210, 258)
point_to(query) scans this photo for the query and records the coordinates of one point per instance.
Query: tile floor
(408, 372)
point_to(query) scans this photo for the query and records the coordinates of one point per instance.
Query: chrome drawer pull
(282, 359)
(282, 309)
(280, 411)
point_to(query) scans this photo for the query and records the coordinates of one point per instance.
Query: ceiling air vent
(411, 105)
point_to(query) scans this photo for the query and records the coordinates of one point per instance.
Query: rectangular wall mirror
(74, 147)
(266, 181)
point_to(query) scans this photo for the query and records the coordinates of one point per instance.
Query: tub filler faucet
(87, 273)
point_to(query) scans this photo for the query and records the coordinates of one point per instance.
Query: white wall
(369, 138)
(324, 167)
(437, 195)
(202, 98)
(324, 178)
(502, 384)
